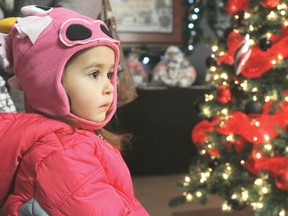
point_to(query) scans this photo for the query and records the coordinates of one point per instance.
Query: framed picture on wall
(152, 22)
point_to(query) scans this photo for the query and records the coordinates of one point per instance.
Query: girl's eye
(110, 75)
(94, 74)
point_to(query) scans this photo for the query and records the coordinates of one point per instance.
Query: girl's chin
(98, 119)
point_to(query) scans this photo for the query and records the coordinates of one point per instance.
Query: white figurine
(174, 69)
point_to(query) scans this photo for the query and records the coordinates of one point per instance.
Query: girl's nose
(108, 88)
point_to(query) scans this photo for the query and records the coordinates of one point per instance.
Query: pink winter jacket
(46, 168)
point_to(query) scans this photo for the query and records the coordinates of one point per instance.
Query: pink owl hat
(37, 49)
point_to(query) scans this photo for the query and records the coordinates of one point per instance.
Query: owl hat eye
(79, 31)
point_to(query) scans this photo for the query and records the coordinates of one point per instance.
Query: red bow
(235, 6)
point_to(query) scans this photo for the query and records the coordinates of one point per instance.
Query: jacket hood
(37, 49)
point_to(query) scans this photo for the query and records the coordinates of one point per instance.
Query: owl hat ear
(30, 27)
(7, 24)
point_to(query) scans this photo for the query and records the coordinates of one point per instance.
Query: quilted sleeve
(68, 184)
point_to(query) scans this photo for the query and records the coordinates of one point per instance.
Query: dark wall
(161, 122)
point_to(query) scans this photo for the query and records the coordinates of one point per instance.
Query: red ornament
(281, 179)
(235, 6)
(270, 3)
(223, 94)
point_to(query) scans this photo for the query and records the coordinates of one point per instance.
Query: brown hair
(117, 140)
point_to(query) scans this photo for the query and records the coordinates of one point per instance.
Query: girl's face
(87, 79)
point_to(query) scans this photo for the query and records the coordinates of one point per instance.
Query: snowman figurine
(174, 70)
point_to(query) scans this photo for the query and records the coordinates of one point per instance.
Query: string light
(264, 190)
(267, 98)
(245, 194)
(224, 76)
(258, 155)
(247, 15)
(224, 111)
(226, 207)
(257, 123)
(244, 85)
(203, 152)
(204, 176)
(267, 138)
(213, 68)
(216, 77)
(230, 137)
(189, 197)
(199, 194)
(214, 48)
(258, 182)
(273, 62)
(251, 28)
(268, 147)
(272, 15)
(282, 212)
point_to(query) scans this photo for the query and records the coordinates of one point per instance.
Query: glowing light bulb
(214, 48)
(189, 197)
(265, 190)
(258, 155)
(225, 176)
(258, 182)
(267, 138)
(198, 194)
(268, 147)
(226, 207)
(187, 179)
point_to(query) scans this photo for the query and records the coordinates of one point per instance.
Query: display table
(161, 120)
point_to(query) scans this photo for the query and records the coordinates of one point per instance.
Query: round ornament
(265, 44)
(223, 94)
(214, 163)
(254, 107)
(270, 3)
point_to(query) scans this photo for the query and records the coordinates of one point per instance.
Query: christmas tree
(243, 137)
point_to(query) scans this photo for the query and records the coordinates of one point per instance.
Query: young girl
(56, 159)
